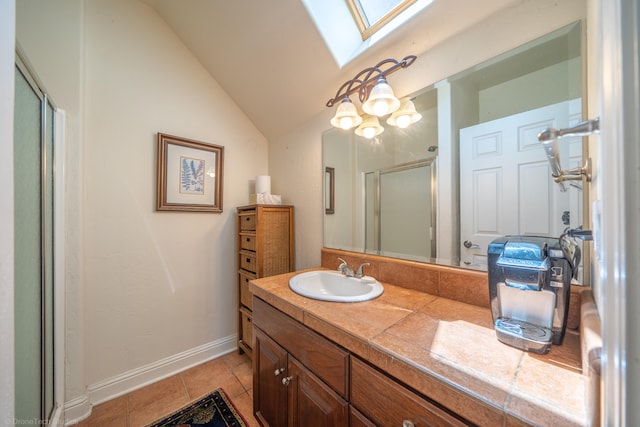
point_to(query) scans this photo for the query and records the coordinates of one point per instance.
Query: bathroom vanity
(328, 385)
(408, 356)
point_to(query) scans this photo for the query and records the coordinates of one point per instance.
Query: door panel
(33, 244)
(28, 249)
(270, 367)
(311, 402)
(502, 159)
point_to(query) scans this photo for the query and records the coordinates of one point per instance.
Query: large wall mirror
(471, 169)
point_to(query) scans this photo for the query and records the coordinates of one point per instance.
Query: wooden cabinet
(311, 402)
(300, 378)
(293, 367)
(265, 245)
(402, 407)
(269, 393)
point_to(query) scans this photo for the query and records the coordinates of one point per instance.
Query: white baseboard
(80, 408)
(77, 409)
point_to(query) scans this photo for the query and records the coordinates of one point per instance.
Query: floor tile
(231, 372)
(156, 400)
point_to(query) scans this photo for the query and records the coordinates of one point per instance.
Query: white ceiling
(272, 61)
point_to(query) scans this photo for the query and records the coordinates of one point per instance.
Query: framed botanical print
(189, 175)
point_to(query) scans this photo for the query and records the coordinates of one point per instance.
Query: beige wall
(156, 284)
(142, 286)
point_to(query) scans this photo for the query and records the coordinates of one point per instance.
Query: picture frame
(329, 190)
(189, 175)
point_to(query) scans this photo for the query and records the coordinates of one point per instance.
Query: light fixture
(375, 94)
(347, 115)
(405, 115)
(370, 127)
(381, 100)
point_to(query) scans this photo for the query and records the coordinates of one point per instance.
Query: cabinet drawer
(369, 388)
(248, 261)
(248, 241)
(247, 327)
(247, 221)
(324, 358)
(246, 297)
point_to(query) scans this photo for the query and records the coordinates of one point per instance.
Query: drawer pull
(248, 259)
(286, 380)
(278, 371)
(248, 239)
(407, 423)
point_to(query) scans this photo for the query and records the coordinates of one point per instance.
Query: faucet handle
(345, 269)
(360, 271)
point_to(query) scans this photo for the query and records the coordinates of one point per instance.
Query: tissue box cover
(265, 199)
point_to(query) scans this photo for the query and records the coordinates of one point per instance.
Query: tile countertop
(446, 350)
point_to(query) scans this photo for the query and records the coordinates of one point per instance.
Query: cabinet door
(269, 392)
(311, 402)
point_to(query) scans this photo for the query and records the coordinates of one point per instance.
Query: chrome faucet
(360, 272)
(348, 271)
(345, 269)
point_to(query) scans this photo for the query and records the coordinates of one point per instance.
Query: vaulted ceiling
(272, 61)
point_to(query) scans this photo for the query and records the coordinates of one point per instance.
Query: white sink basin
(329, 285)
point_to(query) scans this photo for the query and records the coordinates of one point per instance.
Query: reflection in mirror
(492, 178)
(399, 211)
(330, 189)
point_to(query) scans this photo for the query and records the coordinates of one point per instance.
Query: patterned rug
(213, 410)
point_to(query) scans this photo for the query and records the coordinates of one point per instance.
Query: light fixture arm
(367, 78)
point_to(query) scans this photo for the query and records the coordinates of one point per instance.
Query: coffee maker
(529, 287)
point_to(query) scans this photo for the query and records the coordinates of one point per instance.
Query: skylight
(371, 15)
(346, 39)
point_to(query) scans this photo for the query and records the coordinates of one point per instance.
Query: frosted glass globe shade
(405, 115)
(370, 127)
(381, 100)
(403, 121)
(346, 116)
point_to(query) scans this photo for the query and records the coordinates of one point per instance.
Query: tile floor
(232, 372)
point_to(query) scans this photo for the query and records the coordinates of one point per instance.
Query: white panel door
(506, 185)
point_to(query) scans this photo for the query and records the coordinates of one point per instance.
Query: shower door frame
(53, 415)
(377, 224)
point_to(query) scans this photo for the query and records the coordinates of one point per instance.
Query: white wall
(501, 32)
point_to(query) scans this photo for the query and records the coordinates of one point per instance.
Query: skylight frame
(366, 29)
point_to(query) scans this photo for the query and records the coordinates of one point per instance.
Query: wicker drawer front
(247, 221)
(247, 328)
(248, 261)
(246, 297)
(248, 241)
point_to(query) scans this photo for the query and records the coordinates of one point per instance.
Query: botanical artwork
(191, 176)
